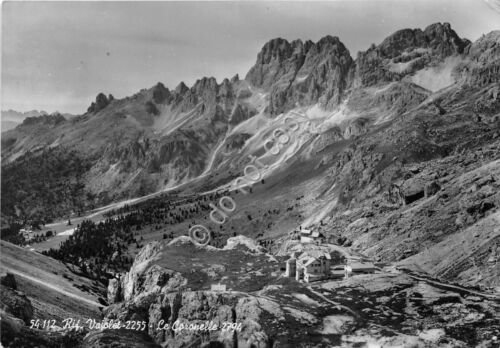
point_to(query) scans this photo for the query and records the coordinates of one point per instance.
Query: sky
(60, 55)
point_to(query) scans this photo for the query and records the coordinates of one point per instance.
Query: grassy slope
(55, 292)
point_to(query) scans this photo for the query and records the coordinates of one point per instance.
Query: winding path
(450, 286)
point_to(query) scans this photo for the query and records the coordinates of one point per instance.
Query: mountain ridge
(286, 75)
(160, 139)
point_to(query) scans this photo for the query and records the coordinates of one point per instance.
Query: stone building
(309, 266)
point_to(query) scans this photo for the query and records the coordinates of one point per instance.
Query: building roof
(316, 254)
(218, 287)
(305, 232)
(317, 234)
(308, 257)
(357, 266)
(307, 261)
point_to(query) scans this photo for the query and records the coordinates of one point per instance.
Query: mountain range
(385, 121)
(11, 118)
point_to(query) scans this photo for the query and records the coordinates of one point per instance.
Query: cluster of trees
(39, 238)
(99, 249)
(161, 211)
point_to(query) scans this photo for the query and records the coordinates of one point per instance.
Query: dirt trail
(449, 286)
(52, 287)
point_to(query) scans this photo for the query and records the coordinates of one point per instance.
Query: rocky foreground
(388, 308)
(162, 306)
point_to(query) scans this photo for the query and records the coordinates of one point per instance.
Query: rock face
(405, 52)
(288, 313)
(17, 304)
(161, 137)
(114, 291)
(101, 101)
(438, 36)
(161, 94)
(483, 66)
(144, 280)
(9, 281)
(160, 297)
(167, 313)
(299, 73)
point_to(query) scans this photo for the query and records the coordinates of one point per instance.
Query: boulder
(114, 291)
(431, 189)
(16, 303)
(8, 280)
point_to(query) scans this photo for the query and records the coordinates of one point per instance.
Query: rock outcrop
(407, 51)
(16, 304)
(101, 101)
(8, 280)
(483, 64)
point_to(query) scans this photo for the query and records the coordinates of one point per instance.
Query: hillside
(36, 288)
(134, 143)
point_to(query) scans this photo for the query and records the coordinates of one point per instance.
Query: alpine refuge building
(309, 266)
(308, 236)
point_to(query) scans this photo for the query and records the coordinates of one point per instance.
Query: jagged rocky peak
(407, 51)
(205, 84)
(302, 73)
(278, 48)
(226, 89)
(439, 37)
(161, 93)
(329, 41)
(328, 50)
(483, 65)
(235, 78)
(486, 48)
(101, 101)
(276, 60)
(181, 88)
(209, 91)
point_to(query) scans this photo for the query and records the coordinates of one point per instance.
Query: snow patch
(334, 324)
(306, 299)
(301, 316)
(399, 67)
(233, 242)
(438, 77)
(269, 306)
(432, 335)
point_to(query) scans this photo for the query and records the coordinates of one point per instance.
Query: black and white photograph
(250, 174)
